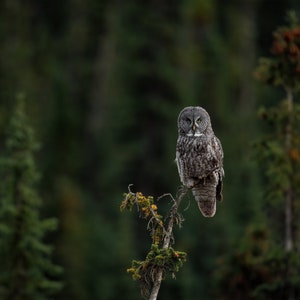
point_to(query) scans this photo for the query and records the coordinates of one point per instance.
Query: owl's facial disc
(193, 121)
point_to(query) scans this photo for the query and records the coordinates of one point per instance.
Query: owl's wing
(218, 150)
(179, 163)
(211, 159)
(219, 154)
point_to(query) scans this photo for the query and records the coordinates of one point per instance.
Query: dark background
(104, 82)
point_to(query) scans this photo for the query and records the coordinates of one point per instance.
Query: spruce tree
(266, 264)
(27, 270)
(279, 150)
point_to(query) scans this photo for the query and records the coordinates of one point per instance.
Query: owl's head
(194, 121)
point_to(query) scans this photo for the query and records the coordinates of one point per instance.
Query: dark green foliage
(169, 260)
(105, 81)
(267, 265)
(284, 274)
(279, 150)
(259, 269)
(27, 271)
(161, 258)
(284, 66)
(281, 164)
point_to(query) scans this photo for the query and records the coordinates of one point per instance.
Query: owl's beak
(195, 126)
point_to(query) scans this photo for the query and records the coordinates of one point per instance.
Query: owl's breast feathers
(199, 157)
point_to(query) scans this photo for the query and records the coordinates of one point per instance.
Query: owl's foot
(190, 183)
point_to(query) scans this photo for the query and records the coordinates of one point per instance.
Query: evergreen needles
(268, 264)
(27, 271)
(162, 259)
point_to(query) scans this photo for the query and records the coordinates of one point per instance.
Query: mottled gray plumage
(199, 158)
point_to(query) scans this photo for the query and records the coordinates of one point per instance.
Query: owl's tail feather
(205, 195)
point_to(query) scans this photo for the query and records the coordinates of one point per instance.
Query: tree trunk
(289, 242)
(166, 244)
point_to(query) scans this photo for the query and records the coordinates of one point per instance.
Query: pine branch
(166, 243)
(162, 259)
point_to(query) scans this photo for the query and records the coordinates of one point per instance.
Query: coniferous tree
(280, 149)
(27, 270)
(266, 266)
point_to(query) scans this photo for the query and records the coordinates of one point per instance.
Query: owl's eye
(189, 121)
(198, 120)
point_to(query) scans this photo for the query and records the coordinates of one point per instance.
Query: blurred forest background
(104, 82)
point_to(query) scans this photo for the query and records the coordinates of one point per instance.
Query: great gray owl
(199, 158)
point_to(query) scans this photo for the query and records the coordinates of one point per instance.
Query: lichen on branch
(162, 260)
